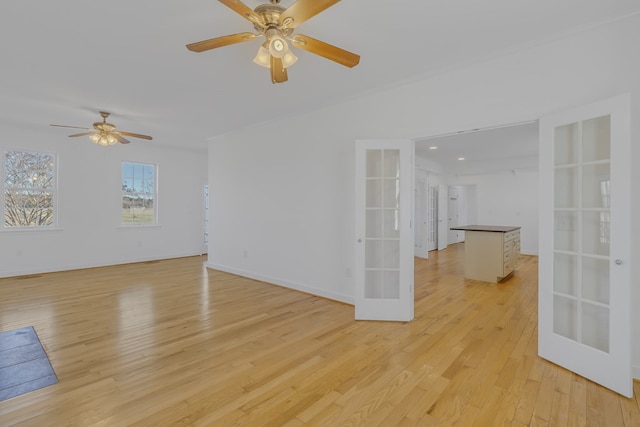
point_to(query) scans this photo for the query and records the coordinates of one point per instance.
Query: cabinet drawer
(511, 235)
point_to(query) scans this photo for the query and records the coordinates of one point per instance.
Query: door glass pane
(374, 163)
(391, 192)
(373, 253)
(565, 274)
(596, 139)
(391, 254)
(596, 186)
(373, 280)
(373, 223)
(565, 234)
(595, 233)
(595, 279)
(565, 317)
(566, 187)
(392, 284)
(595, 326)
(392, 223)
(566, 144)
(391, 163)
(374, 193)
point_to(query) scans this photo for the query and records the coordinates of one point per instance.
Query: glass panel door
(584, 277)
(384, 290)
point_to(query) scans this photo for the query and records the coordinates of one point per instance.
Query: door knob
(618, 261)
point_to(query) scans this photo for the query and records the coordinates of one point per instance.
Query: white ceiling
(476, 151)
(64, 60)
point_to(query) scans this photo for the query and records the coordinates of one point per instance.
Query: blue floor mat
(24, 365)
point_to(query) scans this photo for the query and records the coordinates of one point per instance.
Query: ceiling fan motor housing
(270, 16)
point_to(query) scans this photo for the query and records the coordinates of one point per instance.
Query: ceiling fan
(104, 133)
(277, 24)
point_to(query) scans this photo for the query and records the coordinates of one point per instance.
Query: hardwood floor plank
(173, 343)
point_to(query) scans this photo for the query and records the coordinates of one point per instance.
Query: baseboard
(68, 267)
(635, 371)
(284, 283)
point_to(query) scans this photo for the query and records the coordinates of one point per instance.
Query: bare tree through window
(29, 189)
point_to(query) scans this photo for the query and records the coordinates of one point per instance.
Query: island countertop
(494, 228)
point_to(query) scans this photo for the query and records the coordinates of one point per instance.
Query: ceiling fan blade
(326, 50)
(220, 42)
(135, 135)
(120, 139)
(302, 10)
(73, 127)
(243, 10)
(82, 134)
(278, 71)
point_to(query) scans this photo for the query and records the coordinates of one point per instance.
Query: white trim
(136, 225)
(4, 229)
(532, 253)
(67, 267)
(636, 372)
(347, 299)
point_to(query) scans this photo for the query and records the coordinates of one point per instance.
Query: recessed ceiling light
(460, 158)
(433, 148)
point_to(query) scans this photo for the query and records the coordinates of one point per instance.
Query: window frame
(153, 194)
(54, 190)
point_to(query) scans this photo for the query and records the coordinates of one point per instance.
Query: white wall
(89, 183)
(283, 191)
(508, 198)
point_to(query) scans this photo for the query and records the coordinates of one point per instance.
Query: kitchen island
(490, 251)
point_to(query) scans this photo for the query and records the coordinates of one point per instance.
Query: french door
(584, 276)
(384, 236)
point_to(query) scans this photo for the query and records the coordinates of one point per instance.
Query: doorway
(492, 175)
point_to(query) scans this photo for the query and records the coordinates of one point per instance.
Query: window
(139, 195)
(29, 189)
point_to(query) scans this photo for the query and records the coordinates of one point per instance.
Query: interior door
(384, 236)
(584, 278)
(420, 218)
(443, 218)
(432, 240)
(453, 215)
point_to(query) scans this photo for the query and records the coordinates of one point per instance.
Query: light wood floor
(172, 343)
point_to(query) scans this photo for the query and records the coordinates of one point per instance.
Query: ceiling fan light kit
(277, 24)
(288, 59)
(278, 46)
(103, 140)
(263, 57)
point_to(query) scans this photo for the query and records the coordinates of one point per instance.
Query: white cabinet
(491, 252)
(511, 251)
